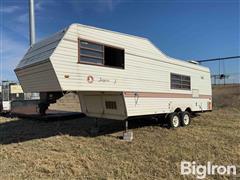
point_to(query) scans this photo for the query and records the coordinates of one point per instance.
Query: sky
(186, 29)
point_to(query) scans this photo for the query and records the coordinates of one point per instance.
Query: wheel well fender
(177, 110)
(188, 110)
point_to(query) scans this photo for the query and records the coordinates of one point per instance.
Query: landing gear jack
(127, 135)
(46, 98)
(94, 131)
(43, 108)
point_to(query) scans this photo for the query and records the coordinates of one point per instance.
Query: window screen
(94, 53)
(180, 82)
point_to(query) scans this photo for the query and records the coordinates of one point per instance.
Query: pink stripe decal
(163, 95)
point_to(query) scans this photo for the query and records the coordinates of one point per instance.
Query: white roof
(41, 51)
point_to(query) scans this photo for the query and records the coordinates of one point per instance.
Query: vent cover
(111, 104)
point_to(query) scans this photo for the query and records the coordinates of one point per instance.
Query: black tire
(185, 118)
(174, 120)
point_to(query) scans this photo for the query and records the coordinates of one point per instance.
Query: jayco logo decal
(90, 79)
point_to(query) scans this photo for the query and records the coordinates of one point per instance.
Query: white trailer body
(115, 75)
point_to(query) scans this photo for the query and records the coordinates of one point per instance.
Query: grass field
(65, 149)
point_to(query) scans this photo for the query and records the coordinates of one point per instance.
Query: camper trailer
(115, 76)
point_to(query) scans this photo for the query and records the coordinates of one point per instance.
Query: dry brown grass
(226, 96)
(64, 149)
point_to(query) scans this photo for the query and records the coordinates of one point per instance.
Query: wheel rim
(175, 121)
(186, 119)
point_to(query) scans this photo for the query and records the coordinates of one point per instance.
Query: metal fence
(224, 71)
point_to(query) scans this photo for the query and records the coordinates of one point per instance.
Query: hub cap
(186, 119)
(175, 121)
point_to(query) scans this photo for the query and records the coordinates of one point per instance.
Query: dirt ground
(65, 149)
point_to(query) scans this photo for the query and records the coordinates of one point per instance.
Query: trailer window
(90, 45)
(91, 52)
(113, 57)
(94, 53)
(180, 82)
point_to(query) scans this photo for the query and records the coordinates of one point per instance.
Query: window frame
(103, 59)
(183, 82)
